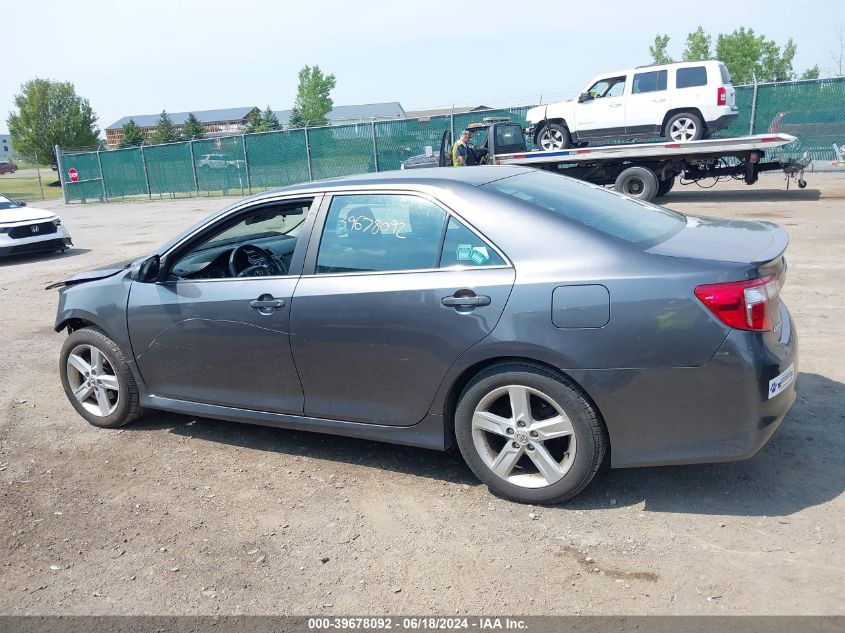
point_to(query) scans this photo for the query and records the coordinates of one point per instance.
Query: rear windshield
(594, 207)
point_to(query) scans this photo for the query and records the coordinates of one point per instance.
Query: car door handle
(615, 105)
(466, 302)
(266, 303)
(659, 100)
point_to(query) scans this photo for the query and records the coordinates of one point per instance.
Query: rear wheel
(684, 127)
(553, 136)
(637, 182)
(97, 379)
(665, 186)
(529, 433)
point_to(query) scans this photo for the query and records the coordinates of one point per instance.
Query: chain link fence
(813, 111)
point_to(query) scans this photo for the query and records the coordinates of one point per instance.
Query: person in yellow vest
(460, 151)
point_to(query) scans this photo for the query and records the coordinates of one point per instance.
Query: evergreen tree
(164, 132)
(132, 135)
(271, 120)
(295, 119)
(192, 128)
(255, 122)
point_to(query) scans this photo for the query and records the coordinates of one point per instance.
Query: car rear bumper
(718, 412)
(722, 121)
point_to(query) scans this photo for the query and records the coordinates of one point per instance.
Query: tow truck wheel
(802, 183)
(553, 136)
(637, 182)
(665, 186)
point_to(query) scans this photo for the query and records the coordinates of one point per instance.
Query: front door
(216, 330)
(399, 290)
(602, 115)
(444, 158)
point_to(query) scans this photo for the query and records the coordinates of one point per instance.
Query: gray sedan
(542, 325)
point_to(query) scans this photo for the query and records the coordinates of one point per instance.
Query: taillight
(721, 96)
(744, 305)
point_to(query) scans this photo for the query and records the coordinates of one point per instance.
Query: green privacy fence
(813, 111)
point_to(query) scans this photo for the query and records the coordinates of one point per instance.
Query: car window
(610, 87)
(389, 232)
(592, 206)
(6, 203)
(649, 82)
(726, 76)
(463, 248)
(509, 138)
(691, 77)
(272, 228)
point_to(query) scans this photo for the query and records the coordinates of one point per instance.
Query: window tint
(509, 138)
(594, 207)
(691, 77)
(649, 82)
(462, 247)
(380, 233)
(726, 76)
(612, 87)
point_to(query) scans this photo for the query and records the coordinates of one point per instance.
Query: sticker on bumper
(781, 382)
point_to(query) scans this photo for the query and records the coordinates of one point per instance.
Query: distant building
(214, 123)
(364, 113)
(5, 145)
(427, 114)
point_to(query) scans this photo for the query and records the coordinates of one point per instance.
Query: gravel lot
(176, 515)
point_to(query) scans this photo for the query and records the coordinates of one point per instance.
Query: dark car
(541, 324)
(7, 168)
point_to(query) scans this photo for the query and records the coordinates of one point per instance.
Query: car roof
(432, 176)
(651, 67)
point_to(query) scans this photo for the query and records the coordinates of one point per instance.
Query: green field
(23, 185)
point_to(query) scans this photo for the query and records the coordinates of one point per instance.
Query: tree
(698, 46)
(658, 52)
(313, 99)
(811, 73)
(192, 128)
(295, 118)
(50, 113)
(132, 135)
(164, 132)
(748, 56)
(255, 122)
(271, 120)
(837, 55)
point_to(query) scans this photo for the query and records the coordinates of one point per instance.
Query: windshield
(606, 211)
(6, 203)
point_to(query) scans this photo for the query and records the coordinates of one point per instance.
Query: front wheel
(553, 136)
(97, 379)
(529, 433)
(637, 182)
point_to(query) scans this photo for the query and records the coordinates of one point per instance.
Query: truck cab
(487, 139)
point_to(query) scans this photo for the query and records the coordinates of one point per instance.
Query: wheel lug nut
(515, 444)
(520, 423)
(530, 447)
(510, 431)
(534, 434)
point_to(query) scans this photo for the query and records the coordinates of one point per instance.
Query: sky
(129, 58)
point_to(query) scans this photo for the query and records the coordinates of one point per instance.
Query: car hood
(97, 273)
(25, 214)
(726, 240)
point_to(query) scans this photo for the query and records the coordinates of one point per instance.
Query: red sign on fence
(73, 174)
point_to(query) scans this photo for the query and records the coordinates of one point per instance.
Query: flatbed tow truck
(641, 170)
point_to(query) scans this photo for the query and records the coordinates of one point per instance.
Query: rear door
(397, 289)
(648, 102)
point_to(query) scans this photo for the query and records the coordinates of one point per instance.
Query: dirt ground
(181, 515)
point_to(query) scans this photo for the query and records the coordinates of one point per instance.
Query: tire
(638, 183)
(555, 136)
(665, 186)
(571, 457)
(684, 127)
(121, 404)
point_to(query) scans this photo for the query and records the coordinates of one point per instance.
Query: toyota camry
(542, 325)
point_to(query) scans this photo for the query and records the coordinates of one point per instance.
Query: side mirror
(429, 152)
(148, 271)
(584, 96)
(20, 203)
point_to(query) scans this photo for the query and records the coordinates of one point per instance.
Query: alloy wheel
(683, 129)
(523, 436)
(92, 380)
(551, 139)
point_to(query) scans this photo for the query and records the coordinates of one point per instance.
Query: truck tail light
(744, 305)
(721, 96)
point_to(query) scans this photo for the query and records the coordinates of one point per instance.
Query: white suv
(684, 102)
